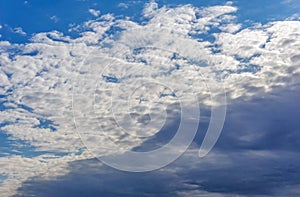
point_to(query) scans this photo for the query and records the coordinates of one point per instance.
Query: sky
(149, 98)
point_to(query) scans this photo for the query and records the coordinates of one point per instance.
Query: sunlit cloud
(38, 79)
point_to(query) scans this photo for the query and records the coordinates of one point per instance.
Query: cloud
(19, 30)
(38, 80)
(248, 173)
(47, 166)
(94, 12)
(123, 5)
(294, 17)
(54, 18)
(231, 28)
(150, 9)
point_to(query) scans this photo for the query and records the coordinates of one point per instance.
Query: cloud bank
(171, 48)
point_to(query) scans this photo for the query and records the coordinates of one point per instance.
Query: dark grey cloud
(90, 178)
(270, 122)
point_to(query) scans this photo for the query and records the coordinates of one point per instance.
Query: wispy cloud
(19, 30)
(94, 12)
(54, 18)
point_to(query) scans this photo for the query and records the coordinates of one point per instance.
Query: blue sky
(42, 16)
(66, 130)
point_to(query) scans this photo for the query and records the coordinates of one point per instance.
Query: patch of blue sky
(44, 16)
(3, 107)
(257, 11)
(46, 124)
(13, 147)
(249, 12)
(9, 146)
(252, 68)
(2, 104)
(2, 178)
(110, 79)
(206, 36)
(39, 16)
(31, 53)
(20, 147)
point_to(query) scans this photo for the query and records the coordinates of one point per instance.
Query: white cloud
(19, 30)
(294, 17)
(150, 9)
(123, 5)
(44, 81)
(94, 12)
(246, 43)
(231, 28)
(54, 18)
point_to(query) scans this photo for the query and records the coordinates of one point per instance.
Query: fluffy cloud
(169, 49)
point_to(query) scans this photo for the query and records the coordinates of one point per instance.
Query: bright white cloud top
(37, 81)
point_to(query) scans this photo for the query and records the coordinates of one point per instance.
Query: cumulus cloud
(39, 81)
(150, 9)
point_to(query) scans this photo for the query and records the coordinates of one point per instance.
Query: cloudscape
(149, 98)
